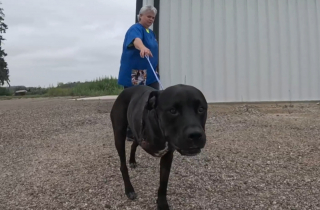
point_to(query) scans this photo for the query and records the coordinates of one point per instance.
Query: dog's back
(128, 97)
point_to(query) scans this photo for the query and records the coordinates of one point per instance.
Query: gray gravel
(59, 154)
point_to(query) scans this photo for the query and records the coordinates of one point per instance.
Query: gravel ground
(59, 154)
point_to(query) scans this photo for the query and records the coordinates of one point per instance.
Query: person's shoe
(130, 139)
(130, 136)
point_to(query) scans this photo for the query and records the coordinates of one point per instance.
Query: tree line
(4, 71)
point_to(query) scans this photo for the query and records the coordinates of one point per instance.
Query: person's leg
(154, 85)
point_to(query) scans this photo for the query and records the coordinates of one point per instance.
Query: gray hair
(145, 9)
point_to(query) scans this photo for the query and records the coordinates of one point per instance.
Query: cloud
(64, 40)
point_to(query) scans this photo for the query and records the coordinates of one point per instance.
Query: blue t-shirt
(135, 70)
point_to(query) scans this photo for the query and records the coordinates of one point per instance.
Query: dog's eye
(201, 109)
(173, 111)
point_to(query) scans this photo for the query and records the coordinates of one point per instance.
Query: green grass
(98, 87)
(4, 92)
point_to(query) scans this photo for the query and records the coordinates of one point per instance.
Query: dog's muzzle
(189, 152)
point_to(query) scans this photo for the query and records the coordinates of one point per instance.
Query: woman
(140, 41)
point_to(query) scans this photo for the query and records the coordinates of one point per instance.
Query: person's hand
(145, 51)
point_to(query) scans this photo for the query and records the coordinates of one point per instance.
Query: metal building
(240, 50)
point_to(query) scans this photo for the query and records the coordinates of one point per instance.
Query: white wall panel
(242, 50)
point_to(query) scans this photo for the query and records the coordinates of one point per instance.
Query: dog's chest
(162, 152)
(154, 151)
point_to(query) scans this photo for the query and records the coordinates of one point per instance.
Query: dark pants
(155, 85)
(130, 137)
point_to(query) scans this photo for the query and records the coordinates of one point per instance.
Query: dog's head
(182, 113)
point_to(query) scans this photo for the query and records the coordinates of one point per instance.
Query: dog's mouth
(187, 152)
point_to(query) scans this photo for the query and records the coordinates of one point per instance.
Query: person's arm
(134, 39)
(138, 44)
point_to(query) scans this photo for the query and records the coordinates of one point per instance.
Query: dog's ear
(153, 99)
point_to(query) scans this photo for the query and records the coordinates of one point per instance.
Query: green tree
(4, 71)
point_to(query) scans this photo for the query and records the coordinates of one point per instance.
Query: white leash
(147, 57)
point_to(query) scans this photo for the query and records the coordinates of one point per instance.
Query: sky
(52, 41)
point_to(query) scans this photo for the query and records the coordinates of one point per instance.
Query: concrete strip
(98, 98)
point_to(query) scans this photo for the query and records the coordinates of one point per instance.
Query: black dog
(161, 122)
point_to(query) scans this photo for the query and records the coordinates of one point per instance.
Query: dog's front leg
(165, 166)
(120, 145)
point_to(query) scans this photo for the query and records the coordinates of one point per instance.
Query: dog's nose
(195, 135)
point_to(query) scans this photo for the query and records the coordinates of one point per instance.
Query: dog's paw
(162, 205)
(132, 195)
(133, 165)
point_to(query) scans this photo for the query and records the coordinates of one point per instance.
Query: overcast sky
(51, 41)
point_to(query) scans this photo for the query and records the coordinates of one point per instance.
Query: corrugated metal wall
(242, 50)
